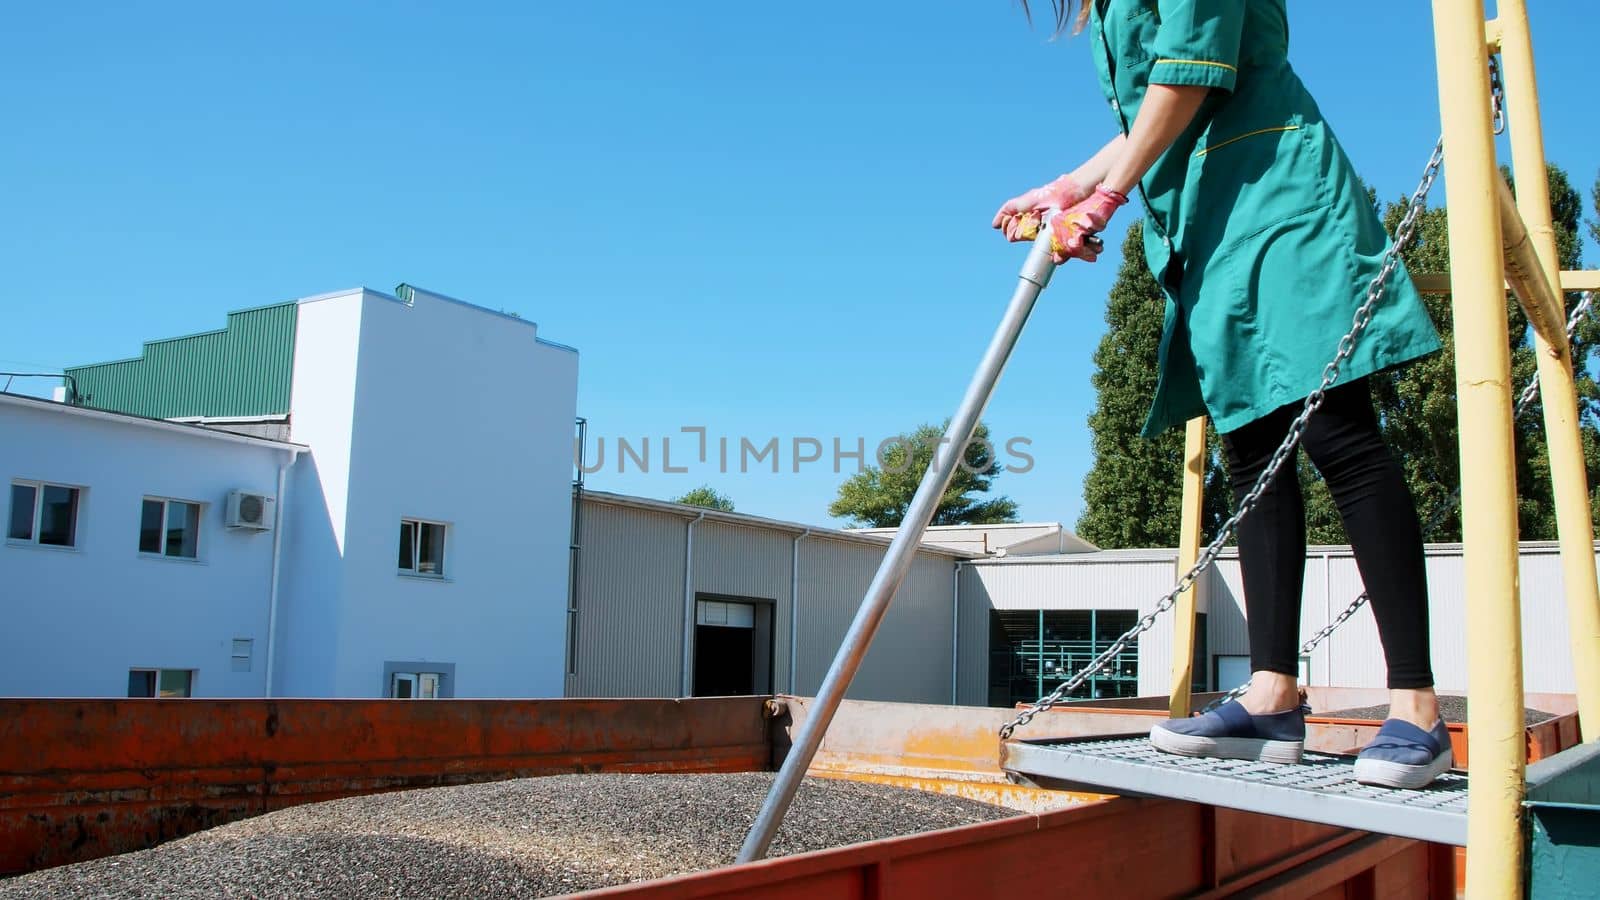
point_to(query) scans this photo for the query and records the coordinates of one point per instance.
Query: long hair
(1063, 10)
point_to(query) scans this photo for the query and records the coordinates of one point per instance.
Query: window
(421, 547)
(415, 686)
(243, 649)
(170, 528)
(160, 682)
(44, 514)
(1032, 651)
(419, 680)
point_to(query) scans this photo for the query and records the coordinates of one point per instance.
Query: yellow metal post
(1488, 489)
(1571, 484)
(1539, 297)
(1194, 489)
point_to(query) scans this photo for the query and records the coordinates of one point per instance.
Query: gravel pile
(533, 837)
(1451, 709)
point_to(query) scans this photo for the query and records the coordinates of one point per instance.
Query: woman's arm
(1096, 167)
(1166, 111)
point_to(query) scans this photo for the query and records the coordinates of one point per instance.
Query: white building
(118, 574)
(424, 527)
(449, 426)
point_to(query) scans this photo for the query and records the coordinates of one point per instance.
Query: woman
(1263, 239)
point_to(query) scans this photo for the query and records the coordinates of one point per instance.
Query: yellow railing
(1490, 238)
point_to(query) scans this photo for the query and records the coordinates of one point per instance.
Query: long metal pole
(902, 551)
(1189, 521)
(1570, 481)
(1488, 489)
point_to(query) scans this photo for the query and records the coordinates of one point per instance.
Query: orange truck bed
(81, 779)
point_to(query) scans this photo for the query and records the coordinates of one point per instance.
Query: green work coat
(1257, 226)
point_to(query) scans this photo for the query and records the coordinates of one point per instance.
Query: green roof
(241, 370)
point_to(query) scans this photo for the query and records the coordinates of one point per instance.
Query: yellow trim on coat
(1241, 137)
(1198, 62)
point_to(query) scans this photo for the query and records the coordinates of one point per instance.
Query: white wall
(76, 620)
(455, 414)
(322, 404)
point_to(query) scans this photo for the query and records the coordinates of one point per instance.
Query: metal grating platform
(1321, 789)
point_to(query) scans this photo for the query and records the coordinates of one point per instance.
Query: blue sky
(767, 220)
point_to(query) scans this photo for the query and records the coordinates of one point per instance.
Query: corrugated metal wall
(972, 684)
(1353, 655)
(752, 563)
(244, 369)
(631, 605)
(911, 655)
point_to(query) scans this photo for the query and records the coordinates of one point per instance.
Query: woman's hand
(1073, 231)
(1019, 218)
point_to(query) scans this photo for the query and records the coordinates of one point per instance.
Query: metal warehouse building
(674, 600)
(989, 615)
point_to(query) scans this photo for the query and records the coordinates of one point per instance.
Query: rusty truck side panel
(1110, 848)
(81, 779)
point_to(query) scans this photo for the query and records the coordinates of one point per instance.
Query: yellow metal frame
(1571, 280)
(1491, 237)
(1488, 489)
(1194, 488)
(1561, 422)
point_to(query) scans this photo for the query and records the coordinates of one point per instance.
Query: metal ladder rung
(1321, 789)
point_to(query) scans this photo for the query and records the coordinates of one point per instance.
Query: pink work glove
(1073, 231)
(1019, 218)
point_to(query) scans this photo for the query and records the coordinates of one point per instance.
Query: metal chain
(1497, 95)
(1529, 394)
(1285, 452)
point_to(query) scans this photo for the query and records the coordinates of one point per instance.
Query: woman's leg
(1380, 520)
(1272, 561)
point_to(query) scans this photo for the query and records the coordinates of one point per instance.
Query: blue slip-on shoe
(1405, 756)
(1230, 732)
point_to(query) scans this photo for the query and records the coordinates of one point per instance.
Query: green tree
(706, 496)
(879, 496)
(1134, 492)
(1594, 226)
(1417, 403)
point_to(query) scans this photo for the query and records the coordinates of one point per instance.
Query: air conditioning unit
(249, 511)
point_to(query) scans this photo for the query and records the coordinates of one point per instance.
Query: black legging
(1369, 488)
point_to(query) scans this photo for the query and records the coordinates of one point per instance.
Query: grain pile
(533, 837)
(1452, 708)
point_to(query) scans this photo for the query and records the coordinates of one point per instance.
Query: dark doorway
(722, 661)
(732, 646)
